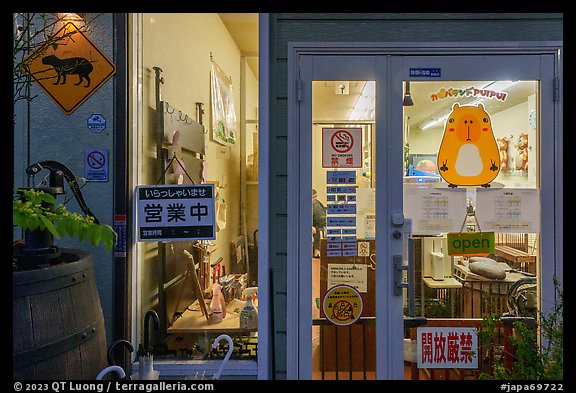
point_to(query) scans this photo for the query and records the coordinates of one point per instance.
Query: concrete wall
(44, 132)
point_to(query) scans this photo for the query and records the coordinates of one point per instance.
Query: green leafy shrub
(531, 360)
(38, 210)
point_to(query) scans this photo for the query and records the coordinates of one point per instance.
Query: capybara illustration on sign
(72, 65)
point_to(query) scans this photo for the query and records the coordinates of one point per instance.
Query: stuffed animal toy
(503, 149)
(522, 156)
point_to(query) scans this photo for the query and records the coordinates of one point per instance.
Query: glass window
(199, 289)
(343, 230)
(471, 165)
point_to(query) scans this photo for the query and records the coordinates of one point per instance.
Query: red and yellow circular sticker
(342, 305)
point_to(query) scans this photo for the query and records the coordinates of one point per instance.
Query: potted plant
(42, 218)
(537, 343)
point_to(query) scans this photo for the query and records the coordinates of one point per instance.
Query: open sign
(470, 243)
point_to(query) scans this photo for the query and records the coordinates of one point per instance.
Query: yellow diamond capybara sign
(71, 70)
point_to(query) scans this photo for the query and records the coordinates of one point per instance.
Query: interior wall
(182, 44)
(251, 143)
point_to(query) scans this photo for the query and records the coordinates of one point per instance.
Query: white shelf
(441, 284)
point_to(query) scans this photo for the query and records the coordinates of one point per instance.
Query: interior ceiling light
(407, 101)
(70, 16)
(364, 106)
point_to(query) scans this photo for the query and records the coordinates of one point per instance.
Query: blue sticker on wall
(340, 177)
(426, 72)
(96, 122)
(340, 221)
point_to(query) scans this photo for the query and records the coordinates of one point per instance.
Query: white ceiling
(327, 105)
(243, 27)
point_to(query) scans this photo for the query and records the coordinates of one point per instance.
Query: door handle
(399, 267)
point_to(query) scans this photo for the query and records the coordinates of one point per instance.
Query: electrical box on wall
(223, 152)
(436, 263)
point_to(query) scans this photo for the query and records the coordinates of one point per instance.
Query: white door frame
(298, 341)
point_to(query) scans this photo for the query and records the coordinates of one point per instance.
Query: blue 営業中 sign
(426, 72)
(96, 122)
(96, 164)
(175, 212)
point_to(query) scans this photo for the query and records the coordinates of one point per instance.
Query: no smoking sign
(341, 147)
(96, 164)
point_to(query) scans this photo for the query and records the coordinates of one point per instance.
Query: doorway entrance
(378, 273)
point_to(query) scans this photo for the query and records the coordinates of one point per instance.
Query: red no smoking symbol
(342, 141)
(96, 160)
(342, 311)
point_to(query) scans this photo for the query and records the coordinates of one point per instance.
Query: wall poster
(435, 210)
(224, 121)
(508, 209)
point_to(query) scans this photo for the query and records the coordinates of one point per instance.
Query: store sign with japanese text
(447, 347)
(342, 305)
(175, 212)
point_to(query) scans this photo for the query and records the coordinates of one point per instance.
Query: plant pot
(38, 250)
(58, 324)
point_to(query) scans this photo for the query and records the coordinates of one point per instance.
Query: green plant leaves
(48, 225)
(533, 360)
(65, 226)
(94, 234)
(109, 236)
(48, 198)
(37, 210)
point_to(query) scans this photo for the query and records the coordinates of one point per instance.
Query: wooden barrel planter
(58, 324)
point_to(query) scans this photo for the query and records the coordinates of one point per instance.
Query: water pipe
(150, 314)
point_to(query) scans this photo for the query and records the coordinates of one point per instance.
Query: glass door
(474, 138)
(343, 230)
(416, 185)
(349, 221)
